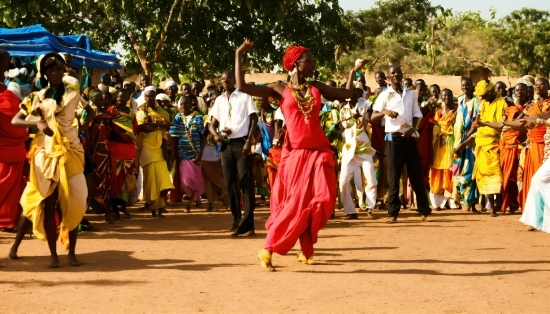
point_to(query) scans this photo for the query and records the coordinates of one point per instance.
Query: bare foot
(73, 260)
(54, 262)
(13, 253)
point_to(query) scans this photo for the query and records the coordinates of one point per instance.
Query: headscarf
(93, 93)
(170, 84)
(150, 88)
(162, 97)
(530, 79)
(483, 87)
(50, 59)
(526, 81)
(292, 55)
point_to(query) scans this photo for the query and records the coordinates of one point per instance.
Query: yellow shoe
(265, 260)
(302, 259)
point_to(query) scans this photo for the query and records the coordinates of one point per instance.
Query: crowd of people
(305, 146)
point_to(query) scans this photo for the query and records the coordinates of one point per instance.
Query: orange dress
(304, 192)
(509, 159)
(441, 176)
(535, 152)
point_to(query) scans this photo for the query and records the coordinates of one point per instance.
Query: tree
(525, 37)
(195, 37)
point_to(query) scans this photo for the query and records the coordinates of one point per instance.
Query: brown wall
(444, 81)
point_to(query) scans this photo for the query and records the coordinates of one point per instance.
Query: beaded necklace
(188, 129)
(305, 103)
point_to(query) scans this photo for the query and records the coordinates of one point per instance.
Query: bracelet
(539, 121)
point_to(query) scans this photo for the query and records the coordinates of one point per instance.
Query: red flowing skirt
(11, 189)
(273, 160)
(303, 199)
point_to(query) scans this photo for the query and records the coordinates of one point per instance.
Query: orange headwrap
(292, 54)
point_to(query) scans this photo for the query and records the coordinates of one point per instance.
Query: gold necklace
(305, 103)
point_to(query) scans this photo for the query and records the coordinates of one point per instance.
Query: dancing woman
(304, 193)
(57, 163)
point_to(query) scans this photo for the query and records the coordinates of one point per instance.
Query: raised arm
(332, 93)
(254, 90)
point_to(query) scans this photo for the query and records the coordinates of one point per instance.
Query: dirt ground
(456, 262)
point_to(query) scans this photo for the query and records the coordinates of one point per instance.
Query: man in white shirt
(235, 115)
(400, 110)
(357, 153)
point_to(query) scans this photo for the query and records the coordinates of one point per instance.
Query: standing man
(400, 110)
(357, 154)
(196, 89)
(235, 115)
(144, 81)
(171, 89)
(12, 160)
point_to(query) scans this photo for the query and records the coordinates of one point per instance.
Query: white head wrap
(526, 82)
(162, 97)
(170, 84)
(150, 88)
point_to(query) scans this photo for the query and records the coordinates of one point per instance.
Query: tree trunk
(142, 56)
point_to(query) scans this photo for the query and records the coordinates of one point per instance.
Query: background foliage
(197, 38)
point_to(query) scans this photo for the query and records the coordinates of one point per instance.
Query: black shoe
(127, 215)
(153, 213)
(351, 217)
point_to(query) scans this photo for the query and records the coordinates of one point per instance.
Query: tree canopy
(198, 38)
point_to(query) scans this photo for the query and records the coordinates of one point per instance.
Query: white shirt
(406, 106)
(279, 115)
(233, 112)
(352, 136)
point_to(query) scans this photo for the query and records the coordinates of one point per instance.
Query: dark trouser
(234, 163)
(403, 151)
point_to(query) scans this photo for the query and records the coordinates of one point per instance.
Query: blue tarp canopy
(36, 40)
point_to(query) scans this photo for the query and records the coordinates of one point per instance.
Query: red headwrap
(292, 54)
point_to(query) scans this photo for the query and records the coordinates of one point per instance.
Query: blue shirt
(188, 130)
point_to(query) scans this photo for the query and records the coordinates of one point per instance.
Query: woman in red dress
(304, 193)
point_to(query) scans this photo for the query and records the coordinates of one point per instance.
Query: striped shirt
(188, 130)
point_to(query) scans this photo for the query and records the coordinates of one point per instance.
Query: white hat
(162, 97)
(150, 88)
(170, 84)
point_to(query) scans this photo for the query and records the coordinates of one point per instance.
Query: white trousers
(440, 200)
(347, 171)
